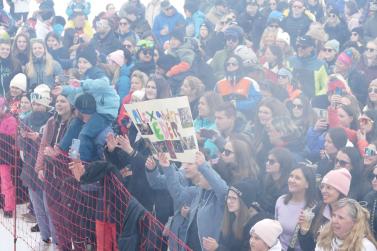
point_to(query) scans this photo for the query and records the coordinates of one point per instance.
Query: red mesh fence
(81, 217)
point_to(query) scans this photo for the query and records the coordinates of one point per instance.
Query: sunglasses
(123, 23)
(370, 50)
(372, 177)
(341, 163)
(147, 52)
(370, 152)
(354, 34)
(271, 162)
(231, 64)
(297, 106)
(327, 50)
(227, 152)
(372, 90)
(275, 26)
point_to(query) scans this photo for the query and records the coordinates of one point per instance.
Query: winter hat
(86, 104)
(87, 52)
(305, 41)
(283, 36)
(359, 30)
(117, 57)
(233, 31)
(346, 58)
(275, 17)
(246, 54)
(317, 32)
(41, 95)
(19, 81)
(332, 44)
(247, 191)
(340, 179)
(268, 230)
(165, 5)
(338, 137)
(285, 72)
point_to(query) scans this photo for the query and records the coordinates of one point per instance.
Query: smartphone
(74, 150)
(321, 113)
(338, 91)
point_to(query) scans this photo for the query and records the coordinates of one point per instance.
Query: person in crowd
(193, 88)
(8, 129)
(371, 200)
(335, 26)
(356, 39)
(242, 212)
(308, 70)
(345, 65)
(41, 68)
(21, 48)
(144, 57)
(334, 186)
(301, 195)
(301, 112)
(274, 183)
(264, 236)
(104, 40)
(124, 32)
(371, 21)
(121, 65)
(352, 15)
(204, 123)
(286, 81)
(207, 201)
(58, 52)
(75, 6)
(330, 52)
(25, 107)
(44, 24)
(350, 158)
(369, 61)
(243, 92)
(18, 88)
(298, 21)
(372, 96)
(217, 11)
(348, 228)
(367, 132)
(30, 138)
(81, 25)
(194, 18)
(272, 61)
(233, 37)
(9, 67)
(168, 20)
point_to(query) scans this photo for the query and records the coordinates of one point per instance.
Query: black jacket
(106, 45)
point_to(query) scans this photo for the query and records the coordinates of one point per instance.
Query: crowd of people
(283, 96)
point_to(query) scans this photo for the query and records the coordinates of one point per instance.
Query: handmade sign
(167, 126)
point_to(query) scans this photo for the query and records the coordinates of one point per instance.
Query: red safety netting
(82, 217)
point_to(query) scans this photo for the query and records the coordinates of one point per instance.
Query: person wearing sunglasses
(330, 52)
(371, 200)
(334, 186)
(370, 158)
(335, 26)
(274, 178)
(368, 130)
(124, 32)
(301, 112)
(348, 228)
(369, 62)
(350, 159)
(372, 96)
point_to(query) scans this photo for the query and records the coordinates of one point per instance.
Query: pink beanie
(340, 179)
(268, 230)
(117, 57)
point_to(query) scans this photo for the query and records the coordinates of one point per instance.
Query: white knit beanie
(268, 230)
(41, 95)
(19, 81)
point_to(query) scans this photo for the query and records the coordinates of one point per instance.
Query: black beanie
(86, 104)
(87, 52)
(338, 137)
(247, 191)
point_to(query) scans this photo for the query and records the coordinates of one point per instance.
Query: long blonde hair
(360, 229)
(47, 58)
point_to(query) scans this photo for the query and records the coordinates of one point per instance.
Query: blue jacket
(74, 6)
(195, 22)
(124, 82)
(209, 145)
(315, 142)
(171, 22)
(209, 214)
(107, 99)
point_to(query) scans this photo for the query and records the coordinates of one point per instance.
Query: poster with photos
(167, 126)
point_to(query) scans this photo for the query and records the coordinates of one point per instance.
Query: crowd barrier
(83, 218)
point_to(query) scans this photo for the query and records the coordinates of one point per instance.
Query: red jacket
(8, 125)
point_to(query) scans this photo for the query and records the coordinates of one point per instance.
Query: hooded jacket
(172, 22)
